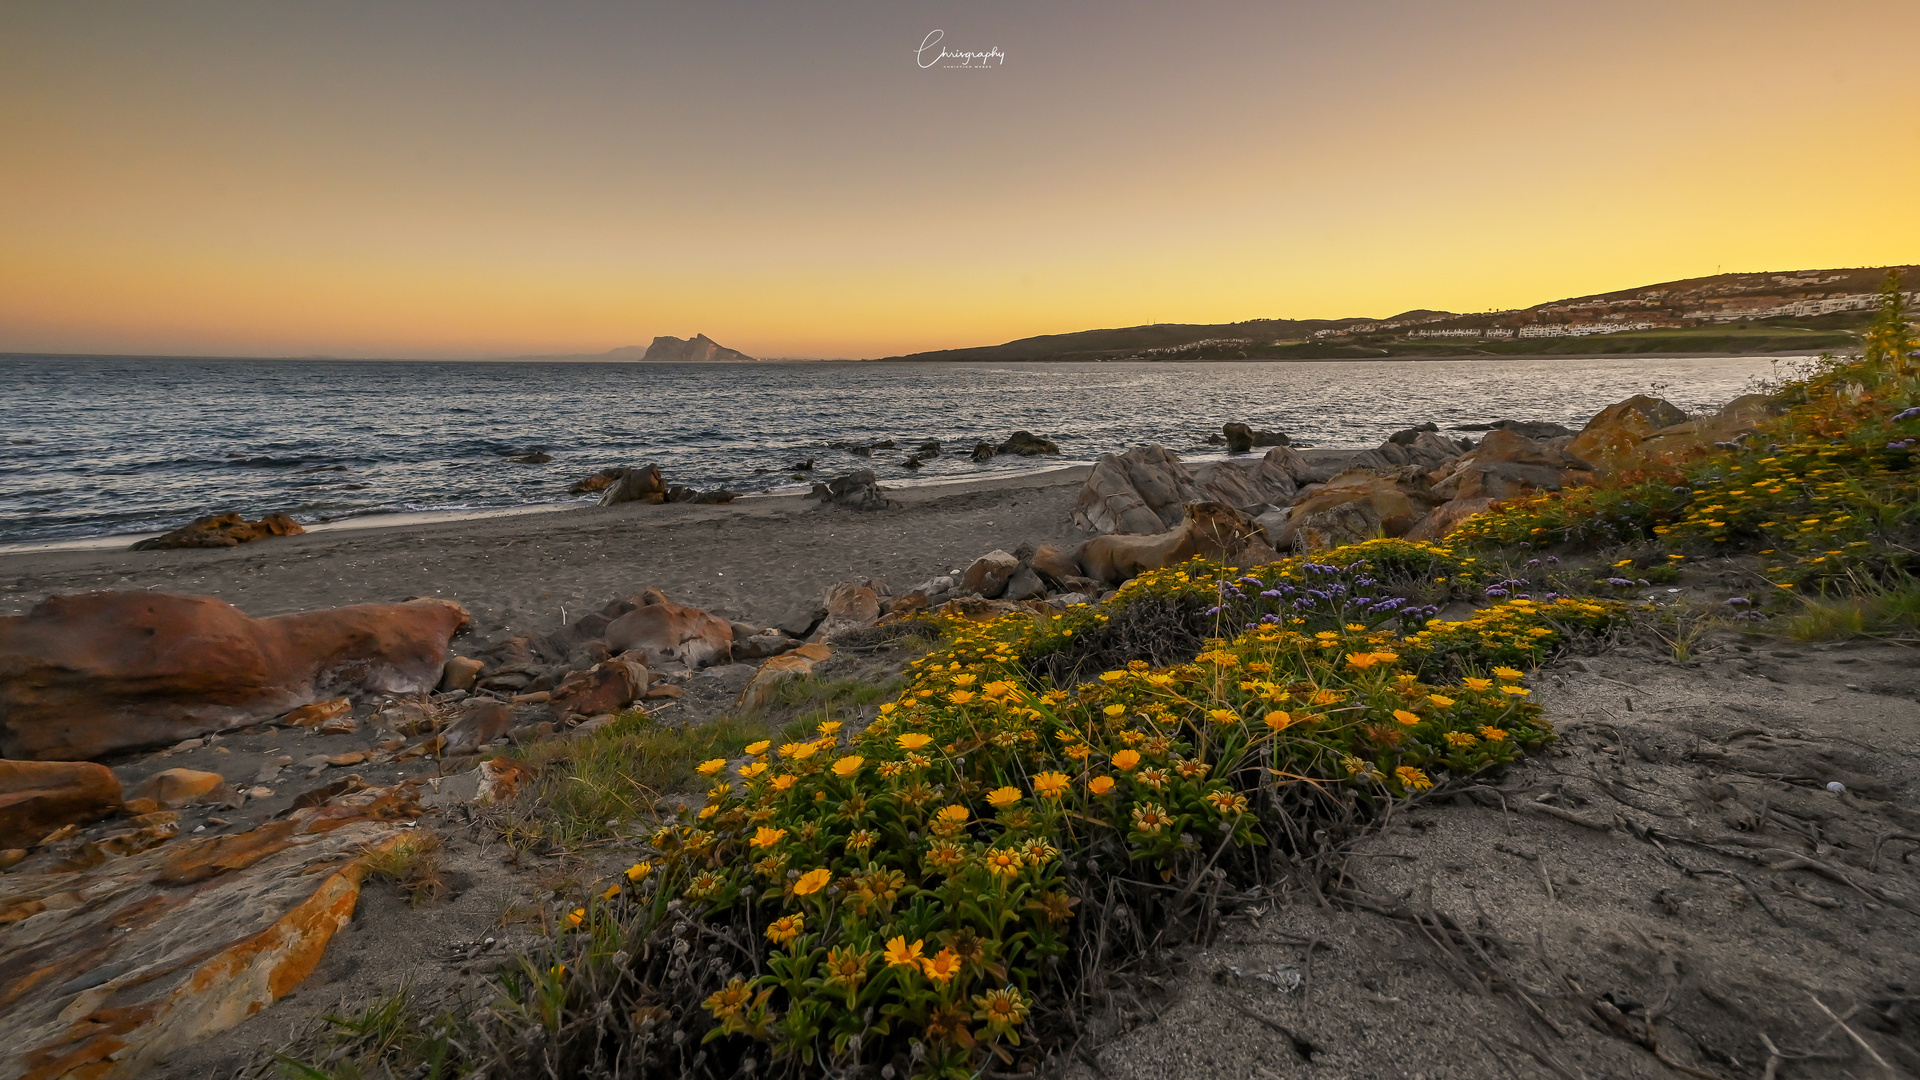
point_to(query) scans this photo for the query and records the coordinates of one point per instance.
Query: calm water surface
(97, 446)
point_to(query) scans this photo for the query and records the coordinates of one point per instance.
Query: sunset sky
(472, 178)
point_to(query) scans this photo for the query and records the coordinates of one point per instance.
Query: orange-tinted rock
(1741, 416)
(1447, 517)
(460, 673)
(85, 675)
(797, 664)
(37, 797)
(128, 963)
(501, 779)
(1353, 507)
(853, 604)
(1507, 465)
(602, 688)
(666, 632)
(222, 530)
(1611, 440)
(635, 485)
(175, 788)
(1143, 491)
(317, 713)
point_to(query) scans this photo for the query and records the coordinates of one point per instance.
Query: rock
(885, 444)
(862, 450)
(1405, 437)
(698, 349)
(339, 725)
(762, 645)
(858, 490)
(666, 632)
(535, 458)
(988, 574)
(1212, 529)
(1506, 465)
(636, 485)
(187, 938)
(665, 690)
(86, 675)
(1740, 417)
(797, 664)
(1025, 584)
(983, 452)
(1273, 522)
(801, 466)
(930, 448)
(1143, 491)
(175, 788)
(850, 605)
(1611, 440)
(1447, 517)
(317, 713)
(599, 481)
(37, 797)
(1354, 506)
(1026, 444)
(460, 673)
(501, 779)
(1242, 438)
(715, 497)
(1052, 564)
(603, 688)
(479, 724)
(801, 621)
(222, 530)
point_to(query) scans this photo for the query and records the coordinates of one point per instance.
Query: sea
(95, 447)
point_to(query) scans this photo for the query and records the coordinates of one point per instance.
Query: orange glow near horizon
(465, 182)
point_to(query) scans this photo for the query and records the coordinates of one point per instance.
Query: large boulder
(599, 481)
(1143, 491)
(988, 574)
(86, 675)
(857, 490)
(1740, 417)
(37, 797)
(1026, 444)
(1507, 465)
(1447, 517)
(1611, 440)
(850, 605)
(222, 530)
(1354, 506)
(635, 485)
(666, 633)
(1212, 529)
(1242, 438)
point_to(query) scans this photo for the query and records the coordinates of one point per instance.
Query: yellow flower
(941, 967)
(812, 882)
(748, 772)
(638, 871)
(786, 928)
(797, 751)
(766, 837)
(1385, 657)
(997, 689)
(1516, 691)
(782, 782)
(1160, 679)
(708, 811)
(613, 890)
(954, 813)
(1362, 660)
(1100, 785)
(1505, 674)
(1493, 734)
(1406, 717)
(960, 697)
(1413, 778)
(913, 740)
(1002, 862)
(962, 680)
(1112, 676)
(1228, 803)
(758, 748)
(708, 768)
(1223, 716)
(827, 727)
(1441, 700)
(848, 765)
(1126, 760)
(1278, 719)
(1474, 683)
(1001, 798)
(1114, 710)
(1460, 739)
(1051, 785)
(887, 708)
(901, 954)
(1150, 818)
(576, 917)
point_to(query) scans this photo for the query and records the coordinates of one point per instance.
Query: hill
(1743, 313)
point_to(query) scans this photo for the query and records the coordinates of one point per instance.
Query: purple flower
(1214, 610)
(1619, 581)
(1900, 444)
(1738, 601)
(1909, 414)
(1553, 558)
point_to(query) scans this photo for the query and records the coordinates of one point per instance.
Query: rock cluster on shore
(222, 530)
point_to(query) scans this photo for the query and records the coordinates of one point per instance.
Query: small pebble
(1836, 787)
